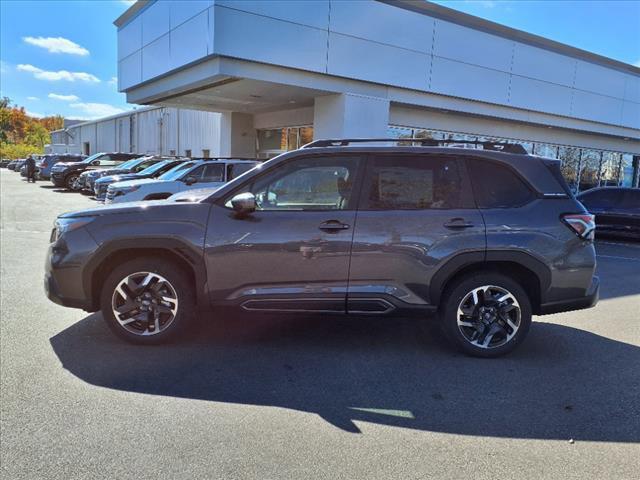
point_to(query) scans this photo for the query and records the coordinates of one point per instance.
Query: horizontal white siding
(376, 42)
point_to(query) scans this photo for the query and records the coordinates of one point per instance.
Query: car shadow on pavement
(562, 383)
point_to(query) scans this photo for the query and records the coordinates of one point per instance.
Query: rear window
(496, 186)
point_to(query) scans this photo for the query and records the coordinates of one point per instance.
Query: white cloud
(34, 114)
(57, 45)
(637, 64)
(96, 110)
(33, 99)
(64, 98)
(113, 81)
(59, 75)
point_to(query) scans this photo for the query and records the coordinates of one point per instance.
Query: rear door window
(413, 182)
(496, 186)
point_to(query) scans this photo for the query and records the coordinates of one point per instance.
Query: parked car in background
(4, 163)
(193, 174)
(485, 238)
(47, 162)
(87, 179)
(19, 164)
(154, 171)
(13, 164)
(65, 174)
(617, 210)
(192, 196)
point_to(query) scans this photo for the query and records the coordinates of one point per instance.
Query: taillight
(582, 224)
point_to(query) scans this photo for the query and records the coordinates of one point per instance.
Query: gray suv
(483, 237)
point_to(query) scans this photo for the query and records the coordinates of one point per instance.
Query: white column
(348, 115)
(237, 135)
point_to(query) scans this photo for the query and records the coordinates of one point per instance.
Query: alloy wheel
(144, 303)
(488, 316)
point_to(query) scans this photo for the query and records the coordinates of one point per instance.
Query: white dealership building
(283, 72)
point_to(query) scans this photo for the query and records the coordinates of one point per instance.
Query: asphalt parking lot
(287, 397)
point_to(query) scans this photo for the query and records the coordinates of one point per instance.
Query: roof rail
(424, 142)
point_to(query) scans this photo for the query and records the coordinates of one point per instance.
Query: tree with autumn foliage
(21, 134)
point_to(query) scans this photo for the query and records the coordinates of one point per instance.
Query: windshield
(155, 167)
(92, 157)
(130, 163)
(176, 171)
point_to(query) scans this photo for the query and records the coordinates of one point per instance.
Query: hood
(133, 183)
(64, 165)
(192, 196)
(116, 208)
(121, 177)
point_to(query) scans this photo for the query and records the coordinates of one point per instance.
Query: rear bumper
(579, 303)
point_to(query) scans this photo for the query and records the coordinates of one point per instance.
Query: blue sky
(60, 56)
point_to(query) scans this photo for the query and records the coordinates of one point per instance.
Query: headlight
(65, 225)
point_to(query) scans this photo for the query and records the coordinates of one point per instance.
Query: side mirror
(190, 180)
(95, 162)
(244, 203)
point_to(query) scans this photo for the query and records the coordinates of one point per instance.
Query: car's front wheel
(70, 181)
(148, 301)
(485, 314)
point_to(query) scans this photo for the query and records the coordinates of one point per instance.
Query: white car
(195, 174)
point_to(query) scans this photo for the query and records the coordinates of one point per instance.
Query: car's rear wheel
(485, 314)
(148, 301)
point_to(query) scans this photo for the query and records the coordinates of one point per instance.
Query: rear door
(416, 212)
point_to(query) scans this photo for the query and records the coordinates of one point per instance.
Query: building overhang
(228, 84)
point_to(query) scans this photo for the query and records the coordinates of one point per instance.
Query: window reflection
(570, 165)
(610, 171)
(590, 172)
(582, 168)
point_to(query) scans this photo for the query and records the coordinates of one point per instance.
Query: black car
(164, 164)
(47, 162)
(484, 238)
(87, 178)
(617, 210)
(65, 174)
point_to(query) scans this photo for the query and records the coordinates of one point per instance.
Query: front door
(416, 213)
(292, 253)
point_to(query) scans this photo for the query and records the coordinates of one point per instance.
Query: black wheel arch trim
(463, 260)
(189, 253)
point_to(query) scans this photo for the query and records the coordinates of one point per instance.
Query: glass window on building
(626, 170)
(590, 172)
(306, 135)
(545, 150)
(570, 165)
(272, 139)
(610, 170)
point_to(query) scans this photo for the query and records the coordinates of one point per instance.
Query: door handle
(458, 223)
(333, 226)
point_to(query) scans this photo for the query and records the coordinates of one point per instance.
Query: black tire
(456, 293)
(69, 180)
(179, 280)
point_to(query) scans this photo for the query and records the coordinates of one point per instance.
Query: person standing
(31, 169)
